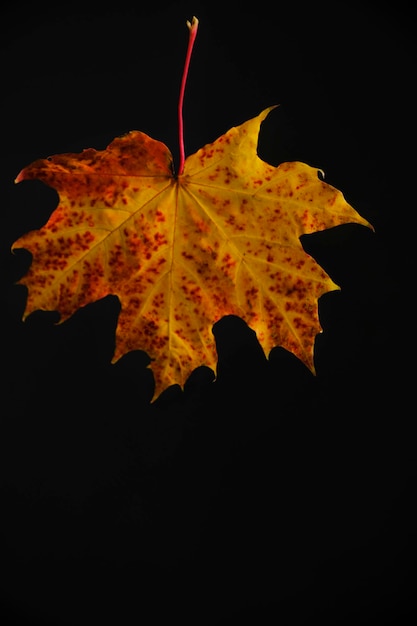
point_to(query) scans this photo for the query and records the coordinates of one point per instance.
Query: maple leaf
(183, 251)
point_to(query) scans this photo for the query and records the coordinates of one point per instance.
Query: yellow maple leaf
(183, 251)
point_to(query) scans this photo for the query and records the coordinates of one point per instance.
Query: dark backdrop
(264, 493)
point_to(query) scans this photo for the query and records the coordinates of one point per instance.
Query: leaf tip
(268, 110)
(19, 177)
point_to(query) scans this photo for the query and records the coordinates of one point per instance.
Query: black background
(264, 495)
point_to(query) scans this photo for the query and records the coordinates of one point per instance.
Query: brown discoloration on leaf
(181, 253)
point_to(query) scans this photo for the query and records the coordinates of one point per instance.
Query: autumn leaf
(182, 252)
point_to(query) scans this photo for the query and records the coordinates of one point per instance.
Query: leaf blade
(222, 239)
